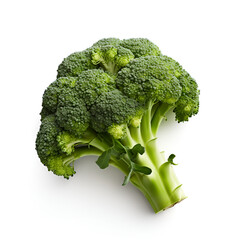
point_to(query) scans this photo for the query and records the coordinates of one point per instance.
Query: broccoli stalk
(159, 184)
(161, 188)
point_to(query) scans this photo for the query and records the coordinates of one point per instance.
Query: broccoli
(109, 101)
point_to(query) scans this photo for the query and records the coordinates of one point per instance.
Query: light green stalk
(161, 187)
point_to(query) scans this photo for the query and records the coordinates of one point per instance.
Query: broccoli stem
(91, 138)
(121, 164)
(109, 66)
(128, 140)
(158, 116)
(99, 144)
(146, 128)
(81, 152)
(161, 187)
(160, 190)
(136, 135)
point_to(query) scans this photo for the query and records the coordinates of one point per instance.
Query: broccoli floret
(112, 111)
(72, 114)
(141, 47)
(44, 113)
(108, 41)
(109, 101)
(56, 150)
(147, 78)
(188, 103)
(48, 149)
(92, 83)
(51, 94)
(75, 64)
(57, 165)
(46, 142)
(111, 58)
(67, 142)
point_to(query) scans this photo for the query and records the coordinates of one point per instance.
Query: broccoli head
(109, 101)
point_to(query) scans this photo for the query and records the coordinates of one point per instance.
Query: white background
(204, 37)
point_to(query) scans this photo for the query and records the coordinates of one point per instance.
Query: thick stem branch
(158, 116)
(146, 128)
(128, 140)
(81, 152)
(161, 187)
(136, 134)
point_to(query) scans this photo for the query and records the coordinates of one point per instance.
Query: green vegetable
(109, 101)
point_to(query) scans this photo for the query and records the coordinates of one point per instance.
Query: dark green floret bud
(51, 94)
(107, 41)
(111, 110)
(141, 47)
(188, 103)
(186, 107)
(92, 83)
(147, 78)
(46, 142)
(75, 63)
(72, 114)
(44, 113)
